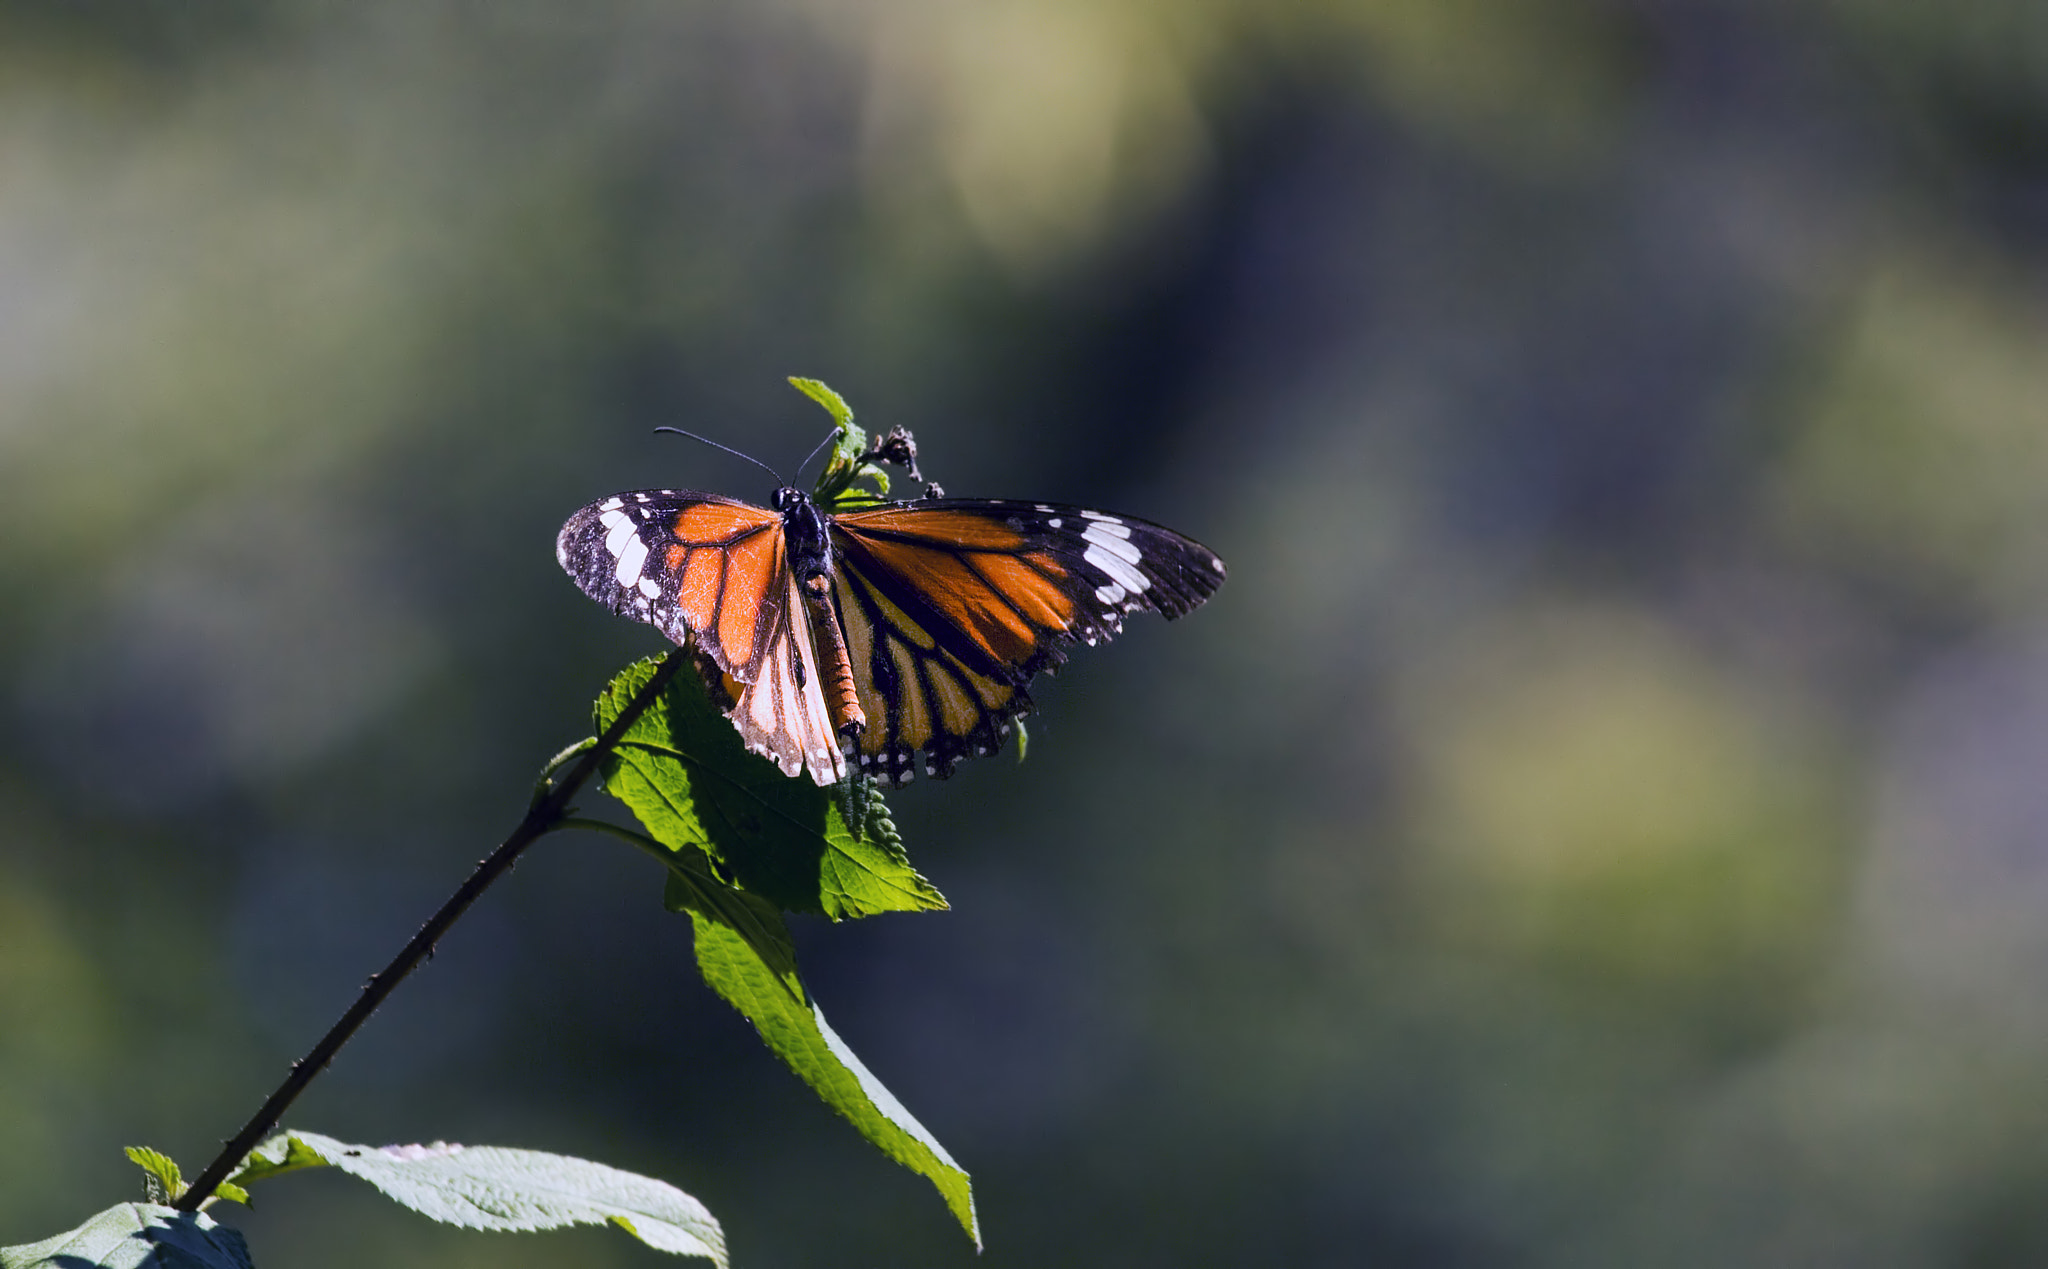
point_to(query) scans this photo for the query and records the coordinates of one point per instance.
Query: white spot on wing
(1109, 525)
(1119, 570)
(630, 561)
(1108, 593)
(610, 504)
(1054, 522)
(621, 527)
(1113, 539)
(649, 587)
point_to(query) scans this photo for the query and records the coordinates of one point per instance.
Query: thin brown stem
(545, 814)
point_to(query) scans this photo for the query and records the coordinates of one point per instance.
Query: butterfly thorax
(804, 530)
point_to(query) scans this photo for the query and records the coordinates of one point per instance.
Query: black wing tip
(1190, 586)
(588, 564)
(572, 542)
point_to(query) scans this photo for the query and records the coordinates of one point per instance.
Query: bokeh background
(1602, 821)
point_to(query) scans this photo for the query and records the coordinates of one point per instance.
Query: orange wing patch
(1023, 581)
(956, 528)
(703, 523)
(751, 568)
(959, 594)
(703, 578)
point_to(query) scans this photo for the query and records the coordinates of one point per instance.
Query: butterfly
(872, 634)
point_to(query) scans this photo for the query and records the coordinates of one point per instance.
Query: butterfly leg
(834, 666)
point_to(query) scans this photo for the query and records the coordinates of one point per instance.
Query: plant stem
(545, 814)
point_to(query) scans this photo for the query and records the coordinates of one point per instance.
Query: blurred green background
(1602, 821)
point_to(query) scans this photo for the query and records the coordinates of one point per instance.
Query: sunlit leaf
(167, 1180)
(497, 1188)
(692, 888)
(772, 997)
(684, 772)
(834, 404)
(136, 1236)
(276, 1156)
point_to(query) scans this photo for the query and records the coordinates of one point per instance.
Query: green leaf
(771, 996)
(166, 1180)
(276, 1156)
(692, 888)
(838, 487)
(230, 1191)
(684, 772)
(496, 1188)
(136, 1236)
(834, 404)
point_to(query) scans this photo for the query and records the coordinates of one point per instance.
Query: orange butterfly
(879, 632)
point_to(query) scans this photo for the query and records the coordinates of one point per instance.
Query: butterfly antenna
(779, 481)
(814, 450)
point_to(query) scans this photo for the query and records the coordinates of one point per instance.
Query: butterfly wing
(950, 606)
(715, 571)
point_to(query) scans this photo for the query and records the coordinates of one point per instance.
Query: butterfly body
(881, 632)
(807, 532)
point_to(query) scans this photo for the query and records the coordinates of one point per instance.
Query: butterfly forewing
(712, 570)
(1059, 570)
(683, 561)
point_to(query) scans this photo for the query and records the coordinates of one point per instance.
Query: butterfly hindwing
(917, 694)
(781, 713)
